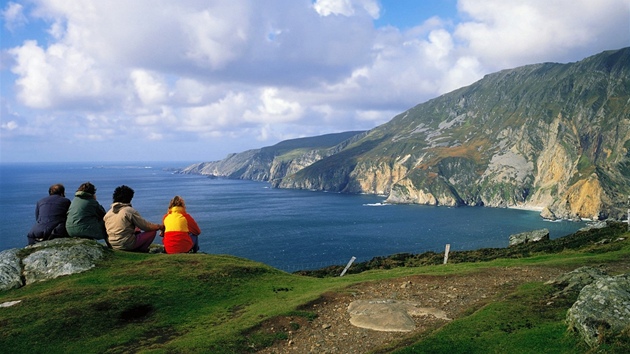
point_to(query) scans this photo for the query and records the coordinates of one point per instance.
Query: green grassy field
(198, 303)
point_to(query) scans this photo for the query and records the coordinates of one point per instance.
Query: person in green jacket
(85, 215)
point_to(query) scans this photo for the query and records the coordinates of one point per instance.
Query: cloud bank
(105, 80)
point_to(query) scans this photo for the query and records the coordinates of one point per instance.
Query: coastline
(526, 207)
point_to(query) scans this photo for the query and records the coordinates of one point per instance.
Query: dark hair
(57, 189)
(87, 187)
(123, 194)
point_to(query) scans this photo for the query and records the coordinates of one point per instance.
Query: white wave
(376, 204)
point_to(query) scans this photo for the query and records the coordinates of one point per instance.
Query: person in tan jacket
(126, 229)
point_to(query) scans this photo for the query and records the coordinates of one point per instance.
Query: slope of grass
(197, 303)
(527, 321)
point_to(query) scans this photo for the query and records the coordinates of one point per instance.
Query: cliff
(277, 161)
(552, 137)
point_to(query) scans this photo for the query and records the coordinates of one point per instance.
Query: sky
(195, 80)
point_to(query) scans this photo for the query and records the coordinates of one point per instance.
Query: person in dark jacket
(50, 216)
(85, 215)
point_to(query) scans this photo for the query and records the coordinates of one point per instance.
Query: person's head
(57, 189)
(123, 194)
(87, 187)
(177, 201)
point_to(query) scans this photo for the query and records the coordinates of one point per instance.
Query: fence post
(348, 266)
(446, 250)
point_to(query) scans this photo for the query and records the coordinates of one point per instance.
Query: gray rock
(48, 260)
(603, 305)
(10, 270)
(530, 236)
(61, 257)
(575, 280)
(594, 225)
(389, 315)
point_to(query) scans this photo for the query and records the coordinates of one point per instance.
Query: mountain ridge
(553, 137)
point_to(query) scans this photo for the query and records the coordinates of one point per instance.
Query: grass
(196, 303)
(527, 321)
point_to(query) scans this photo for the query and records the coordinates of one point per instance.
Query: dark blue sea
(287, 229)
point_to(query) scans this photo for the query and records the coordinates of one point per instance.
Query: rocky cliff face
(546, 136)
(275, 162)
(554, 137)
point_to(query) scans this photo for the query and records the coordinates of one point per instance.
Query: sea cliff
(551, 137)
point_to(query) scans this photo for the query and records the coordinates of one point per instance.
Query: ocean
(287, 229)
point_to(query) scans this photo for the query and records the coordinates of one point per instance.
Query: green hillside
(198, 303)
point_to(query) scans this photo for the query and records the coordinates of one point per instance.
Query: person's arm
(143, 224)
(193, 228)
(37, 211)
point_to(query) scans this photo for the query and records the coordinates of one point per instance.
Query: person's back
(126, 229)
(180, 229)
(85, 215)
(50, 216)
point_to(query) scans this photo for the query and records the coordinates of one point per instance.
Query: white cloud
(57, 77)
(217, 34)
(347, 7)
(274, 109)
(34, 89)
(150, 88)
(10, 125)
(13, 16)
(505, 33)
(242, 70)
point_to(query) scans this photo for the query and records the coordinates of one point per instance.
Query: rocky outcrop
(48, 260)
(554, 137)
(602, 308)
(10, 270)
(575, 280)
(529, 236)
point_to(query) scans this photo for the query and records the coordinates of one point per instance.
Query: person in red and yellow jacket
(180, 229)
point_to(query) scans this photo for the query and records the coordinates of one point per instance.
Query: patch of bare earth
(331, 331)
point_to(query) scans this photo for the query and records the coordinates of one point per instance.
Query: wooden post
(448, 248)
(348, 265)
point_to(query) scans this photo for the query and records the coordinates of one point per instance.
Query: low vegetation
(197, 303)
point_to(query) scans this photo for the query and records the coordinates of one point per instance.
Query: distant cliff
(277, 161)
(550, 136)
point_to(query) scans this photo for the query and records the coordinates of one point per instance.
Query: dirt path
(331, 331)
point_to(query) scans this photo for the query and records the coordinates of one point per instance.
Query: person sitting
(180, 229)
(126, 229)
(50, 216)
(85, 216)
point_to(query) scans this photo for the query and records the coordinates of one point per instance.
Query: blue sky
(194, 80)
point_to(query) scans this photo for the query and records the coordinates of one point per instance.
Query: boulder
(575, 280)
(529, 236)
(48, 260)
(10, 269)
(602, 308)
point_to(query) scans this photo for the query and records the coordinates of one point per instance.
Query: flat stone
(389, 315)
